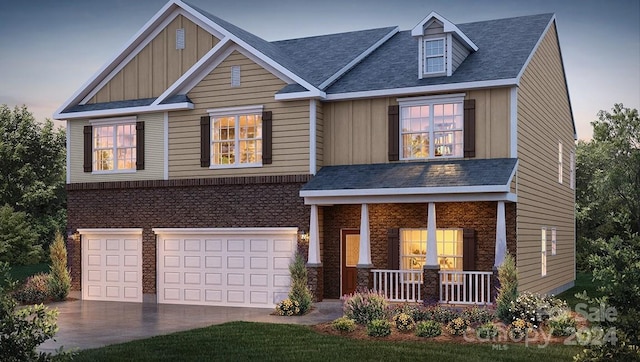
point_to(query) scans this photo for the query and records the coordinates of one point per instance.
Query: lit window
(237, 140)
(554, 241)
(114, 147)
(432, 130)
(413, 248)
(434, 56)
(544, 252)
(560, 162)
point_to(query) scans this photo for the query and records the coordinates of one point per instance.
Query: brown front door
(350, 251)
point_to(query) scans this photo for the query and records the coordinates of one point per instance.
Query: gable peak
(448, 27)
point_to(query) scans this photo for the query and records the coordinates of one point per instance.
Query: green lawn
(22, 272)
(242, 341)
(583, 282)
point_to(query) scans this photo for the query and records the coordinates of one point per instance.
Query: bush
(403, 321)
(458, 326)
(487, 331)
(344, 325)
(288, 307)
(519, 329)
(60, 281)
(364, 307)
(420, 313)
(535, 308)
(300, 292)
(17, 238)
(562, 325)
(35, 290)
(379, 328)
(476, 315)
(442, 314)
(428, 329)
(507, 289)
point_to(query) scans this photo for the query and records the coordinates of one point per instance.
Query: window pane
(435, 65)
(103, 160)
(434, 47)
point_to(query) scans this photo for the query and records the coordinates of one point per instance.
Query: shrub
(60, 281)
(18, 240)
(300, 292)
(507, 289)
(442, 314)
(458, 326)
(403, 321)
(379, 328)
(421, 313)
(487, 331)
(535, 308)
(477, 315)
(288, 307)
(35, 289)
(364, 307)
(428, 329)
(519, 329)
(562, 325)
(344, 325)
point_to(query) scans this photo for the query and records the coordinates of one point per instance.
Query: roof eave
(124, 111)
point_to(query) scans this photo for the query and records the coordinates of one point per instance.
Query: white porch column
(432, 247)
(314, 238)
(501, 236)
(364, 256)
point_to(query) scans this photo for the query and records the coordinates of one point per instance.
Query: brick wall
(480, 216)
(229, 202)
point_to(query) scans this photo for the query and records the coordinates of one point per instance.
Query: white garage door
(112, 264)
(224, 267)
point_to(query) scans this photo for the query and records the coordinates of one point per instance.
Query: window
(544, 252)
(560, 162)
(434, 56)
(114, 147)
(572, 170)
(235, 76)
(413, 248)
(236, 138)
(432, 129)
(553, 241)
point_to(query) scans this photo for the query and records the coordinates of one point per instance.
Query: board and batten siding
(356, 132)
(544, 119)
(153, 148)
(159, 64)
(258, 86)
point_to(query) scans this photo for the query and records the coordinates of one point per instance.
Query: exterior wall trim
(125, 111)
(513, 123)
(68, 154)
(410, 199)
(110, 231)
(221, 231)
(165, 140)
(312, 136)
(408, 191)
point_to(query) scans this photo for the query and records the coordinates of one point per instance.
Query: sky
(49, 49)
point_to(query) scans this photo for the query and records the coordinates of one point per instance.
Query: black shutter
(470, 128)
(394, 136)
(468, 249)
(267, 140)
(205, 141)
(88, 148)
(140, 145)
(393, 249)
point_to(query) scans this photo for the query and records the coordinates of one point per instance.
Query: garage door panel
(192, 245)
(259, 280)
(280, 263)
(213, 261)
(235, 262)
(235, 245)
(213, 245)
(261, 262)
(259, 297)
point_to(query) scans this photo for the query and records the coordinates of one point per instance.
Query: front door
(350, 251)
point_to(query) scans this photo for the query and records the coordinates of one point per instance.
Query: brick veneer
(480, 216)
(202, 203)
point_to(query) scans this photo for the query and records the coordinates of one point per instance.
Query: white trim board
(108, 231)
(125, 111)
(409, 199)
(226, 231)
(413, 191)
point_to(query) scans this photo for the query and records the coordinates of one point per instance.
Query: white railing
(465, 287)
(398, 285)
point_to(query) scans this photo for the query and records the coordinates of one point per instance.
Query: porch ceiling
(411, 182)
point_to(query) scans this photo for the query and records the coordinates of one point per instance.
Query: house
(201, 157)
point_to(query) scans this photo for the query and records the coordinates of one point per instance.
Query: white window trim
(572, 170)
(560, 162)
(110, 122)
(235, 112)
(423, 55)
(554, 241)
(428, 101)
(543, 252)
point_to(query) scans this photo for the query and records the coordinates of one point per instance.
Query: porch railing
(398, 285)
(465, 287)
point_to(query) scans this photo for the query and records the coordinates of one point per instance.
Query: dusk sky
(48, 49)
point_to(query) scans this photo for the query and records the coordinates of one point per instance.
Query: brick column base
(431, 285)
(365, 278)
(495, 285)
(315, 281)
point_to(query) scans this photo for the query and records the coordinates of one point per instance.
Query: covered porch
(430, 231)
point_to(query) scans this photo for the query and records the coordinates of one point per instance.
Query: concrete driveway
(90, 324)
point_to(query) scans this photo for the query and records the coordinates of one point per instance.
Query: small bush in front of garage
(299, 291)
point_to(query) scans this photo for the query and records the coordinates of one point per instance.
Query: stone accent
(480, 216)
(431, 284)
(315, 281)
(201, 203)
(364, 278)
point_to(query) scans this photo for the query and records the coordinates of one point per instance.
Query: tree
(17, 239)
(60, 281)
(32, 160)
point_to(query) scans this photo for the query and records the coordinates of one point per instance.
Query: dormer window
(434, 51)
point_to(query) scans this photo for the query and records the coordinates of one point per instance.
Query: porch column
(315, 273)
(501, 236)
(431, 272)
(432, 247)
(364, 255)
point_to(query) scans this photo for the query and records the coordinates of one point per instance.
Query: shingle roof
(448, 173)
(124, 104)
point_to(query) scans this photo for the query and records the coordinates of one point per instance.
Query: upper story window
(434, 56)
(114, 147)
(236, 138)
(432, 128)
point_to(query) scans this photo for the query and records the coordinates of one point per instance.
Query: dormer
(442, 47)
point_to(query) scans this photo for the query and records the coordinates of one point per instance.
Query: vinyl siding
(460, 53)
(159, 64)
(257, 87)
(319, 135)
(154, 154)
(544, 119)
(435, 28)
(356, 132)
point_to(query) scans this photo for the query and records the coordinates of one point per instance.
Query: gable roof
(449, 27)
